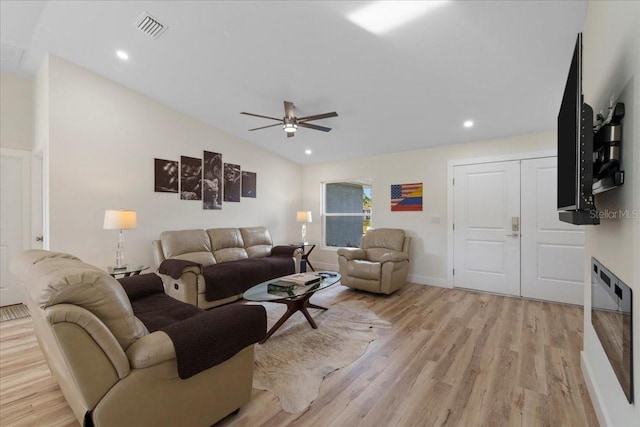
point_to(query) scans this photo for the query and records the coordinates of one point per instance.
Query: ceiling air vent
(150, 26)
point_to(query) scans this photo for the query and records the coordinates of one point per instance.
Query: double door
(507, 236)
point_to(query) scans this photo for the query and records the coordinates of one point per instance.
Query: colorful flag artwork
(406, 197)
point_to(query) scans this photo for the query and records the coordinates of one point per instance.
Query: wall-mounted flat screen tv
(575, 149)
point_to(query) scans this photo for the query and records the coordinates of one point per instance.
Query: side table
(129, 270)
(305, 255)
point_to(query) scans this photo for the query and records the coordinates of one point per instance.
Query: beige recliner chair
(380, 265)
(111, 369)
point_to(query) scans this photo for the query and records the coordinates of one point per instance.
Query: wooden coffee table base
(293, 305)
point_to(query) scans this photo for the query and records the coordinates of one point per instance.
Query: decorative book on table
(303, 279)
(280, 285)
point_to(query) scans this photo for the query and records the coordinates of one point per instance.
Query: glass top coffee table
(295, 298)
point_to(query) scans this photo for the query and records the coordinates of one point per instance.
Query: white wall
(40, 123)
(611, 67)
(16, 112)
(103, 139)
(429, 166)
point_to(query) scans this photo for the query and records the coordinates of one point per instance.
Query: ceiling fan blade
(288, 109)
(316, 127)
(258, 115)
(318, 117)
(264, 127)
(290, 134)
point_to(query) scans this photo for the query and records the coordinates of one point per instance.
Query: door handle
(512, 235)
(39, 239)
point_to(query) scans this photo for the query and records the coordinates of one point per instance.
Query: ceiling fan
(290, 122)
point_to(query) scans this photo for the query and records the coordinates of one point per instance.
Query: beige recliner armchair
(111, 369)
(380, 265)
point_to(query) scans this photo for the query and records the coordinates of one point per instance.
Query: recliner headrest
(51, 278)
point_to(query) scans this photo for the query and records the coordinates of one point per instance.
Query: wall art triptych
(207, 179)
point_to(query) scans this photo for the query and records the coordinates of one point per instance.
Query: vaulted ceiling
(501, 64)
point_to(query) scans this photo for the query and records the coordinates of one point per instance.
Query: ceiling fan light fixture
(290, 122)
(289, 125)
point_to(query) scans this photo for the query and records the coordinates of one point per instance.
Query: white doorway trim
(40, 194)
(25, 158)
(470, 161)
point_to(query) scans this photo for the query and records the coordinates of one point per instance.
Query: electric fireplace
(611, 316)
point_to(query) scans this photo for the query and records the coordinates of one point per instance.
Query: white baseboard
(593, 392)
(431, 281)
(320, 266)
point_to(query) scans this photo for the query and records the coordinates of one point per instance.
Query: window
(346, 212)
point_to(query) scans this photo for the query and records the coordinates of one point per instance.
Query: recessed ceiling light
(468, 124)
(122, 55)
(380, 17)
(307, 152)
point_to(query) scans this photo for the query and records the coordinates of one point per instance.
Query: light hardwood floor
(451, 358)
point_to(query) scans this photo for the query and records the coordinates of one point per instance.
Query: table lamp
(115, 219)
(303, 217)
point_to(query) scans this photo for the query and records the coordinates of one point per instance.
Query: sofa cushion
(234, 277)
(364, 269)
(52, 278)
(189, 245)
(154, 308)
(211, 337)
(257, 241)
(384, 238)
(227, 244)
(201, 339)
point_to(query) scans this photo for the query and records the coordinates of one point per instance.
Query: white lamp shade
(303, 216)
(118, 219)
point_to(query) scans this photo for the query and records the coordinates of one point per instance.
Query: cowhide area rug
(294, 361)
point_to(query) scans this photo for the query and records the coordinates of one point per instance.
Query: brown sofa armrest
(352, 253)
(212, 337)
(284, 250)
(176, 267)
(141, 285)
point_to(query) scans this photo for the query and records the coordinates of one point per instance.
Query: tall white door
(486, 221)
(552, 251)
(11, 224)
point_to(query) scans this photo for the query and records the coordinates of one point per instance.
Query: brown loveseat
(214, 267)
(161, 362)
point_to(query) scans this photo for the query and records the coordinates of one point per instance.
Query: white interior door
(486, 227)
(552, 251)
(12, 222)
